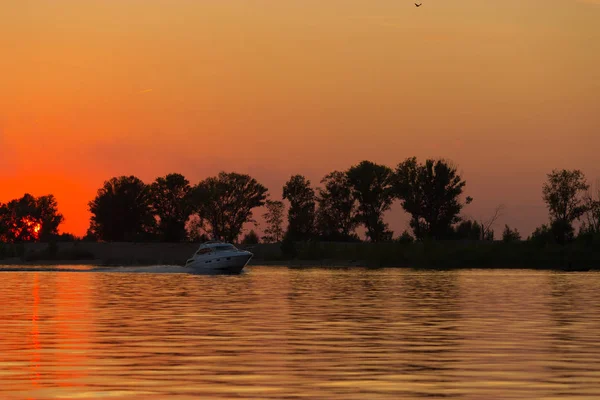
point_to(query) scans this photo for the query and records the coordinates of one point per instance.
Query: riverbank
(437, 255)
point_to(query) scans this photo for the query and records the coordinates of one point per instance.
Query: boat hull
(232, 264)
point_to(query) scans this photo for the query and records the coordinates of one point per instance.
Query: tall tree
(337, 213)
(121, 211)
(48, 217)
(301, 214)
(225, 203)
(171, 202)
(563, 194)
(30, 219)
(372, 188)
(430, 194)
(274, 219)
(4, 223)
(592, 214)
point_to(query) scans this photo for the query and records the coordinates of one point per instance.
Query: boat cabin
(214, 247)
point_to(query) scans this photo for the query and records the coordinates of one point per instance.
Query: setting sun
(31, 225)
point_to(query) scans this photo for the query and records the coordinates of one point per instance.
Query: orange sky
(97, 88)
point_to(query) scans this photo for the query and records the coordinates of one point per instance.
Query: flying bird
(418, 5)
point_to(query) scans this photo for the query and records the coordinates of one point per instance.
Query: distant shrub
(406, 238)
(541, 236)
(250, 238)
(510, 235)
(66, 237)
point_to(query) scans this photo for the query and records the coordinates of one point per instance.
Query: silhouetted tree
(542, 236)
(337, 212)
(48, 216)
(372, 188)
(195, 229)
(225, 203)
(66, 237)
(510, 235)
(301, 214)
(592, 214)
(30, 219)
(274, 219)
(90, 236)
(250, 238)
(470, 230)
(121, 211)
(4, 223)
(563, 194)
(171, 202)
(430, 194)
(562, 231)
(406, 237)
(487, 233)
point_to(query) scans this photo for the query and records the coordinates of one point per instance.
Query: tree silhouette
(171, 202)
(30, 219)
(274, 219)
(372, 188)
(301, 214)
(592, 212)
(337, 213)
(4, 224)
(430, 194)
(250, 238)
(48, 216)
(225, 203)
(563, 193)
(195, 227)
(469, 230)
(510, 235)
(405, 238)
(121, 211)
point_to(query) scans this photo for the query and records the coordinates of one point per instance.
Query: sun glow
(33, 226)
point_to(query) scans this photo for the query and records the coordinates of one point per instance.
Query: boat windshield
(224, 247)
(205, 250)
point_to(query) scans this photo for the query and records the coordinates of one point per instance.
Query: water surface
(279, 333)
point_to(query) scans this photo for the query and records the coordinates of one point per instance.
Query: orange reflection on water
(35, 333)
(72, 327)
(277, 333)
(45, 335)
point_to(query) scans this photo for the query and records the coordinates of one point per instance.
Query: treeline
(170, 209)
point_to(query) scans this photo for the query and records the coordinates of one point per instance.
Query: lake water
(279, 333)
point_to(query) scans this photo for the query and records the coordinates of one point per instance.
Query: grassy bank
(456, 254)
(438, 255)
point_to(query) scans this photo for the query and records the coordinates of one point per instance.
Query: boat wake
(153, 269)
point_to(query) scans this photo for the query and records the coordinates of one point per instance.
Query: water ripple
(278, 333)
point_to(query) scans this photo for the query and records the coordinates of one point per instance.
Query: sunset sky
(91, 89)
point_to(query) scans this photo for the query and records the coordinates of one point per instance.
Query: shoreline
(5, 264)
(447, 255)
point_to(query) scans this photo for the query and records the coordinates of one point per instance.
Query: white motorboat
(215, 256)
